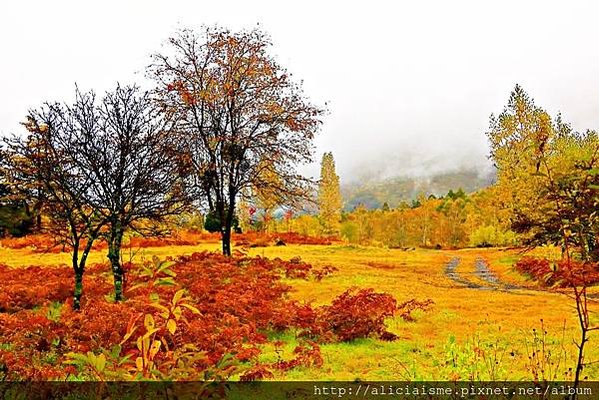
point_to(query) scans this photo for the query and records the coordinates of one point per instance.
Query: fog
(410, 85)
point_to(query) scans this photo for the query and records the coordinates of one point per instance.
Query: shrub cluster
(559, 274)
(199, 317)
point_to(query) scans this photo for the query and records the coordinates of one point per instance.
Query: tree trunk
(78, 290)
(227, 224)
(114, 255)
(78, 271)
(226, 239)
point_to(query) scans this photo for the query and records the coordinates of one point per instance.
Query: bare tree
(106, 167)
(238, 112)
(46, 159)
(131, 160)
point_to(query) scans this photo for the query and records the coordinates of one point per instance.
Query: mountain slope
(372, 194)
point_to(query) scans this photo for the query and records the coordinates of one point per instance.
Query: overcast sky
(410, 84)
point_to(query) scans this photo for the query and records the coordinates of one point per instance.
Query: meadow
(485, 321)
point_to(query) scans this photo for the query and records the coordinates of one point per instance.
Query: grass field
(487, 322)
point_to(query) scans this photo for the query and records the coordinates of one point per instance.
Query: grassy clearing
(468, 334)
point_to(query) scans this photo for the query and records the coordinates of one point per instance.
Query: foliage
(238, 112)
(218, 316)
(30, 287)
(454, 220)
(407, 308)
(267, 195)
(489, 236)
(358, 314)
(330, 202)
(548, 174)
(562, 274)
(199, 317)
(15, 220)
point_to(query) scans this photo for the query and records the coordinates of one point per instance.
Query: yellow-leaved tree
(330, 201)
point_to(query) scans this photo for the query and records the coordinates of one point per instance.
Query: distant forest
(374, 194)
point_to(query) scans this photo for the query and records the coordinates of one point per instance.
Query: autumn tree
(330, 202)
(238, 112)
(48, 156)
(548, 173)
(129, 154)
(20, 208)
(551, 175)
(15, 217)
(425, 218)
(453, 207)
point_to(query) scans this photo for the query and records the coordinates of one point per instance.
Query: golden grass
(488, 325)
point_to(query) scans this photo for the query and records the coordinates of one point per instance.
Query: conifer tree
(329, 196)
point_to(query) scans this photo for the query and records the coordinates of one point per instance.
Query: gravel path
(482, 272)
(450, 272)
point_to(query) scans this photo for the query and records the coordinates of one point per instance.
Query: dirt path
(484, 273)
(450, 272)
(481, 272)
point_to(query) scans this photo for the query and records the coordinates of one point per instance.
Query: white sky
(410, 84)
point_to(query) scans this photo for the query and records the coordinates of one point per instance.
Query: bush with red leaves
(239, 300)
(257, 373)
(306, 354)
(559, 274)
(294, 268)
(406, 309)
(25, 288)
(358, 314)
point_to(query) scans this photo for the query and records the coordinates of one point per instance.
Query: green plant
(54, 311)
(156, 273)
(172, 313)
(474, 360)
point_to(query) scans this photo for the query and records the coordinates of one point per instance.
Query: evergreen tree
(329, 196)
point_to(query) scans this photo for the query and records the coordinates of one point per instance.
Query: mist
(409, 86)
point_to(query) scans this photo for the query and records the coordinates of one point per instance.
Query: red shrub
(295, 268)
(323, 272)
(256, 373)
(536, 268)
(560, 274)
(238, 298)
(307, 354)
(407, 308)
(25, 288)
(358, 314)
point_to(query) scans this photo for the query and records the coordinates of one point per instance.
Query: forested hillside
(374, 193)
